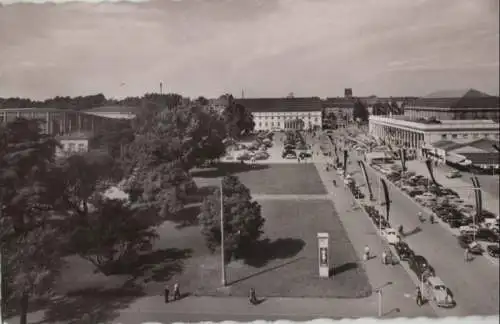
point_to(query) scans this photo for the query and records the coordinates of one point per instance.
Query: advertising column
(323, 253)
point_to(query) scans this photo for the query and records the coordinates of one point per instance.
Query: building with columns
(58, 121)
(284, 113)
(415, 133)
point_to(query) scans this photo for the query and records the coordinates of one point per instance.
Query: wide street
(475, 285)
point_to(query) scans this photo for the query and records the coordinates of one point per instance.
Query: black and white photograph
(196, 161)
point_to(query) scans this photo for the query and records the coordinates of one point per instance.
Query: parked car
(290, 155)
(391, 236)
(304, 155)
(439, 293)
(403, 250)
(493, 250)
(484, 234)
(453, 174)
(261, 156)
(419, 265)
(468, 229)
(467, 241)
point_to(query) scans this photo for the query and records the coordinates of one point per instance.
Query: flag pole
(222, 252)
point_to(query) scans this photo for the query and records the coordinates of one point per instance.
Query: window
(272, 124)
(443, 136)
(265, 124)
(81, 147)
(260, 124)
(71, 147)
(315, 119)
(279, 124)
(454, 136)
(476, 135)
(466, 135)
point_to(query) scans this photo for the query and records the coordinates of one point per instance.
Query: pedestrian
(166, 293)
(384, 258)
(334, 182)
(252, 296)
(177, 293)
(419, 299)
(431, 218)
(367, 253)
(466, 255)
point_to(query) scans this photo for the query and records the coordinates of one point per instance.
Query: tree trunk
(23, 318)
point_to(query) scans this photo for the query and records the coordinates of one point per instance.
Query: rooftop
(34, 109)
(113, 109)
(453, 99)
(483, 144)
(280, 104)
(483, 158)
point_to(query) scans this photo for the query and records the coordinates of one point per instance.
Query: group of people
(176, 296)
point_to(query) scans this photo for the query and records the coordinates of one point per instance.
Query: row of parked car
(447, 205)
(433, 285)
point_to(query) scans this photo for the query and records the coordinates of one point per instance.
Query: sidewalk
(460, 185)
(362, 233)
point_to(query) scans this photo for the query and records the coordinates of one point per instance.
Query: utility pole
(222, 252)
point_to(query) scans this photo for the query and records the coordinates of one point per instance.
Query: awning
(455, 158)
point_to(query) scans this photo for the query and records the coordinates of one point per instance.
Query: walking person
(252, 296)
(384, 258)
(166, 293)
(177, 293)
(400, 230)
(467, 255)
(366, 255)
(419, 298)
(334, 182)
(431, 218)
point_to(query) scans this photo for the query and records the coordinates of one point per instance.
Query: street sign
(323, 255)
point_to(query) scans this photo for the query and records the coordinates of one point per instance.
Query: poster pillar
(323, 255)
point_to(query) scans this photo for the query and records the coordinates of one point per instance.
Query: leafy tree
(202, 101)
(238, 119)
(114, 233)
(115, 138)
(243, 221)
(360, 111)
(29, 235)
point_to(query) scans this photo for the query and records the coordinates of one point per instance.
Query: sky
(266, 48)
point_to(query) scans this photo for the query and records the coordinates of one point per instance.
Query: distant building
(341, 108)
(348, 93)
(73, 144)
(455, 105)
(218, 105)
(114, 112)
(58, 121)
(284, 113)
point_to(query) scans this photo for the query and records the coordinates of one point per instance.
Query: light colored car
(439, 293)
(468, 229)
(261, 156)
(244, 156)
(453, 174)
(291, 156)
(391, 236)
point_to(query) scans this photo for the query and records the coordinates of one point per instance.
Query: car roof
(436, 281)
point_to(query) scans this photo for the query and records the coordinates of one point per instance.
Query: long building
(58, 121)
(284, 113)
(455, 105)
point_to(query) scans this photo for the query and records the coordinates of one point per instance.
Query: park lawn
(271, 179)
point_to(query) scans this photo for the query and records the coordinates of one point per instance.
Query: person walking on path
(431, 218)
(384, 258)
(466, 255)
(366, 255)
(166, 293)
(419, 298)
(177, 293)
(252, 296)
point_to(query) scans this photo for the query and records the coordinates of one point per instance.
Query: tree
(29, 236)
(115, 138)
(243, 221)
(114, 233)
(238, 119)
(360, 111)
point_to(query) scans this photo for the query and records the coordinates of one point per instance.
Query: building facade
(455, 105)
(415, 133)
(72, 144)
(342, 110)
(284, 113)
(57, 121)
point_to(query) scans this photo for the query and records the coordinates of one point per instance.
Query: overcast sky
(268, 48)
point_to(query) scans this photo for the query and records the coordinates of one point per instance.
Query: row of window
(286, 117)
(72, 147)
(455, 136)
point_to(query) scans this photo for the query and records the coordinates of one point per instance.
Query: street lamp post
(222, 252)
(380, 299)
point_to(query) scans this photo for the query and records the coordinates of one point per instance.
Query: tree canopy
(360, 111)
(238, 119)
(243, 221)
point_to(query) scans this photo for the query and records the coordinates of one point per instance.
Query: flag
(345, 162)
(478, 196)
(428, 162)
(402, 153)
(387, 200)
(363, 168)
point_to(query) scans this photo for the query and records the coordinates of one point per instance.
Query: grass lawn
(291, 179)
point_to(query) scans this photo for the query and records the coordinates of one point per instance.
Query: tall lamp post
(380, 299)
(222, 252)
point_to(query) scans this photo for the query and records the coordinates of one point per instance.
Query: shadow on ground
(334, 271)
(158, 265)
(187, 217)
(266, 250)
(224, 169)
(91, 305)
(414, 231)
